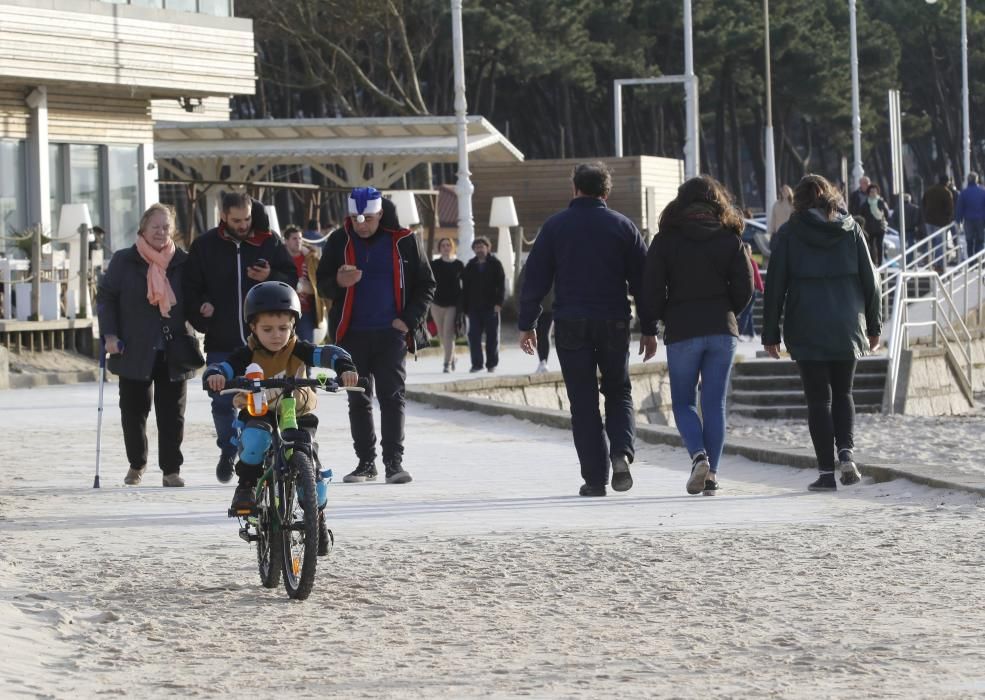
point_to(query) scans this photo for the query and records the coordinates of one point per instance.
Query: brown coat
(938, 206)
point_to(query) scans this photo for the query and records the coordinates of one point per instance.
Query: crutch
(99, 411)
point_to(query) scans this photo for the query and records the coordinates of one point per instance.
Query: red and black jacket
(413, 280)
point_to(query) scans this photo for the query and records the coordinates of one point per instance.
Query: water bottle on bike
(256, 400)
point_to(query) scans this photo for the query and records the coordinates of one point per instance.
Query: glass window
(148, 3)
(181, 5)
(56, 181)
(124, 196)
(86, 181)
(13, 195)
(219, 8)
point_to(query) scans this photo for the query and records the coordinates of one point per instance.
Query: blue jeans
(223, 412)
(974, 230)
(746, 323)
(484, 322)
(707, 359)
(585, 349)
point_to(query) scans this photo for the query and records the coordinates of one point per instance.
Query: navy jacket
(216, 273)
(594, 257)
(483, 288)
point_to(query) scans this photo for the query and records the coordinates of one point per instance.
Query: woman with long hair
(822, 284)
(447, 304)
(698, 277)
(143, 327)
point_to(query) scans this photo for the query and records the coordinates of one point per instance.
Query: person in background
(448, 271)
(306, 262)
(857, 199)
(824, 287)
(312, 234)
(747, 324)
(381, 284)
(483, 294)
(698, 276)
(594, 257)
(223, 265)
(780, 211)
(938, 214)
(876, 215)
(140, 307)
(544, 324)
(970, 212)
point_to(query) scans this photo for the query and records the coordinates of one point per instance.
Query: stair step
(793, 398)
(788, 411)
(779, 383)
(771, 367)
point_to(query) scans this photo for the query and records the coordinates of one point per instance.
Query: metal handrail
(943, 309)
(921, 255)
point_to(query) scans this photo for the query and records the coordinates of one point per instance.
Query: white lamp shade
(502, 212)
(71, 217)
(272, 216)
(406, 207)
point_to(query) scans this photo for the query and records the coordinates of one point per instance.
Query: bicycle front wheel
(300, 531)
(270, 543)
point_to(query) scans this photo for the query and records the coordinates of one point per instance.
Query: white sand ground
(486, 577)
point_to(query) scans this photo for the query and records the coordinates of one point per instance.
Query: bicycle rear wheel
(270, 544)
(300, 532)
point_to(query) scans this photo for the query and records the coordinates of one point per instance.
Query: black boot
(364, 471)
(825, 482)
(395, 473)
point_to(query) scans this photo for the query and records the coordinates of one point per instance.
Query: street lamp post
(464, 187)
(857, 170)
(692, 163)
(965, 109)
(770, 154)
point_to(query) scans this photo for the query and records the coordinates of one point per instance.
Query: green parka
(821, 281)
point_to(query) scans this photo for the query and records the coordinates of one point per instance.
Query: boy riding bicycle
(272, 310)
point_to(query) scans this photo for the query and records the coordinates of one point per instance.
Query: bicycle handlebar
(291, 383)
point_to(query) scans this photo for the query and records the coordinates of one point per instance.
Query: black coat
(125, 312)
(697, 278)
(415, 291)
(216, 273)
(483, 288)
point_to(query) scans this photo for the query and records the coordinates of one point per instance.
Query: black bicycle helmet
(271, 297)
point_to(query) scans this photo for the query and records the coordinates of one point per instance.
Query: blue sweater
(594, 257)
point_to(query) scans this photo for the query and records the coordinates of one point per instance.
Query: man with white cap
(380, 281)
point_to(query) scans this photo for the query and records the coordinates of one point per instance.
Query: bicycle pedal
(241, 512)
(244, 534)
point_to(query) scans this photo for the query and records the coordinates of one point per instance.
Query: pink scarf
(159, 290)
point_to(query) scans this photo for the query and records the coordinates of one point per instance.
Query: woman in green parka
(822, 283)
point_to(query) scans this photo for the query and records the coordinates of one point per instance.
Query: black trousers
(544, 335)
(379, 355)
(169, 410)
(830, 407)
(585, 349)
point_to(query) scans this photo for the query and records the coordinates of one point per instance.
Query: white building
(82, 83)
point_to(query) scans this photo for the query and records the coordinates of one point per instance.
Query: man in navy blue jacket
(593, 256)
(970, 211)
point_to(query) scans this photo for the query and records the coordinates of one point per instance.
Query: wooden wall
(138, 48)
(542, 187)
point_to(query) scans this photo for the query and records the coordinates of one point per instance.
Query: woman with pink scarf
(140, 316)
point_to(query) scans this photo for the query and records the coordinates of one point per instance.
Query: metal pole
(617, 116)
(464, 187)
(857, 170)
(966, 133)
(770, 154)
(691, 152)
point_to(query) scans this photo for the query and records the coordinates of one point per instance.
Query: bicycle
(284, 522)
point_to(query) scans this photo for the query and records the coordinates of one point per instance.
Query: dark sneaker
(699, 473)
(244, 500)
(224, 469)
(711, 488)
(825, 482)
(589, 490)
(395, 473)
(326, 540)
(364, 471)
(622, 480)
(849, 473)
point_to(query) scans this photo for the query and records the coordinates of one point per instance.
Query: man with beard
(223, 265)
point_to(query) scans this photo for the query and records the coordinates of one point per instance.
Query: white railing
(922, 255)
(937, 316)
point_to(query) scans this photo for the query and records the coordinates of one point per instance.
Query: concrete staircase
(772, 389)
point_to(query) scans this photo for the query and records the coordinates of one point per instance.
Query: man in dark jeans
(483, 294)
(593, 256)
(381, 283)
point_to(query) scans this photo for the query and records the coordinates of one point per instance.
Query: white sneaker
(541, 367)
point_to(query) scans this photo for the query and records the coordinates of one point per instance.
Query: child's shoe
(326, 540)
(244, 499)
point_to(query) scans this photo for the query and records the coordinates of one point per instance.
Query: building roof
(376, 151)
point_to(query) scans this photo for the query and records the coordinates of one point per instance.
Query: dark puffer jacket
(821, 281)
(125, 312)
